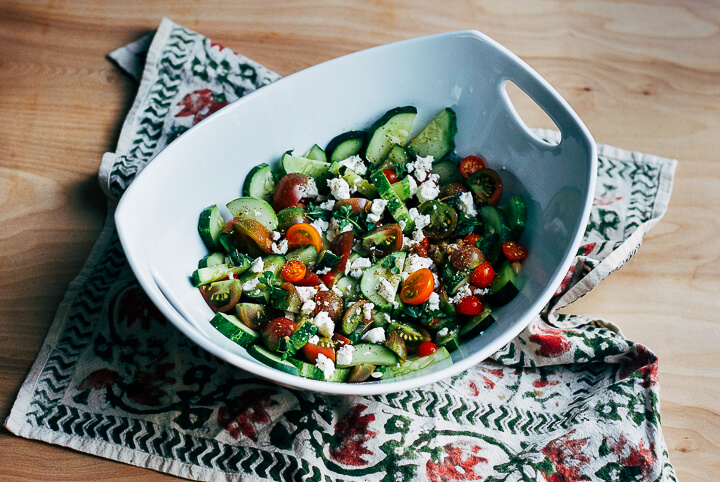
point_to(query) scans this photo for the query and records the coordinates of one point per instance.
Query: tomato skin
(487, 186)
(293, 271)
(341, 340)
(311, 352)
(391, 175)
(470, 306)
(329, 279)
(482, 276)
(276, 329)
(310, 279)
(303, 234)
(472, 239)
(418, 287)
(421, 249)
(341, 246)
(470, 165)
(427, 348)
(290, 191)
(514, 251)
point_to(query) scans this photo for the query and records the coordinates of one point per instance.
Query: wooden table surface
(643, 75)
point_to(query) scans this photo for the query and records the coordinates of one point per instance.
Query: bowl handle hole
(528, 112)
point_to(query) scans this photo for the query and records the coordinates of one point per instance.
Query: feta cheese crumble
(367, 310)
(308, 307)
(257, 265)
(434, 301)
(421, 220)
(443, 332)
(325, 325)
(466, 204)
(356, 269)
(376, 210)
(328, 205)
(376, 335)
(314, 340)
(344, 355)
(276, 235)
(339, 188)
(281, 248)
(326, 365)
(355, 164)
(306, 293)
(429, 189)
(421, 167)
(461, 293)
(250, 285)
(385, 289)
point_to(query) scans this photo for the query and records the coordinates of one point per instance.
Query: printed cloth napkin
(569, 399)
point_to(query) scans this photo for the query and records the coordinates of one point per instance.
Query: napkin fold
(569, 399)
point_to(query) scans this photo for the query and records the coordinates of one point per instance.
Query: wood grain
(643, 75)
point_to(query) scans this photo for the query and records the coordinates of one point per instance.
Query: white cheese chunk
(325, 324)
(339, 188)
(385, 289)
(355, 164)
(257, 265)
(326, 365)
(376, 335)
(344, 355)
(466, 204)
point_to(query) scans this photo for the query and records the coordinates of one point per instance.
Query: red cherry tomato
(427, 348)
(482, 276)
(514, 251)
(471, 164)
(311, 352)
(329, 279)
(473, 239)
(391, 175)
(341, 340)
(470, 306)
(310, 279)
(421, 249)
(293, 271)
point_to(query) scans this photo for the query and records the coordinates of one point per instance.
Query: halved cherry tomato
(427, 348)
(293, 271)
(470, 306)
(486, 185)
(311, 352)
(341, 340)
(310, 279)
(329, 279)
(482, 276)
(473, 239)
(229, 225)
(514, 251)
(421, 249)
(471, 164)
(418, 287)
(303, 234)
(341, 246)
(391, 175)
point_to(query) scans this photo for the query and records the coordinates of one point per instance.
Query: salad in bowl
(370, 259)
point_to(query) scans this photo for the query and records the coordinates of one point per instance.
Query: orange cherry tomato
(391, 175)
(427, 348)
(482, 276)
(293, 271)
(418, 287)
(514, 251)
(303, 234)
(311, 352)
(471, 164)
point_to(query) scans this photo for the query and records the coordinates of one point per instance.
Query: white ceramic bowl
(157, 216)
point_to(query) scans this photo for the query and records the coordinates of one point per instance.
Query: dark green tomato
(451, 190)
(486, 186)
(383, 240)
(443, 219)
(290, 216)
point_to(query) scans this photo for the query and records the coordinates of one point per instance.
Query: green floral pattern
(569, 399)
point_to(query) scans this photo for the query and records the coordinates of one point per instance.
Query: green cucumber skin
(354, 179)
(272, 360)
(316, 154)
(373, 354)
(297, 340)
(369, 280)
(395, 123)
(210, 260)
(350, 288)
(438, 137)
(259, 183)
(317, 170)
(203, 276)
(504, 287)
(416, 364)
(210, 226)
(233, 329)
(360, 136)
(476, 325)
(448, 172)
(305, 254)
(395, 206)
(257, 209)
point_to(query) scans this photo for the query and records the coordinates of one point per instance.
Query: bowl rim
(150, 285)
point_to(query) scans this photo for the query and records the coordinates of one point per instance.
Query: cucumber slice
(392, 128)
(476, 325)
(396, 207)
(414, 364)
(354, 179)
(327, 259)
(307, 370)
(350, 288)
(234, 329)
(451, 341)
(494, 223)
(383, 269)
(316, 154)
(290, 345)
(448, 172)
(210, 226)
(204, 276)
(212, 259)
(398, 156)
(306, 255)
(516, 213)
(503, 288)
(373, 354)
(272, 360)
(454, 278)
(257, 209)
(318, 170)
(259, 183)
(345, 145)
(438, 138)
(261, 293)
(402, 189)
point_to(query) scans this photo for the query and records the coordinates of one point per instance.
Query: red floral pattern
(643, 360)
(135, 306)
(567, 458)
(249, 409)
(552, 341)
(453, 466)
(352, 432)
(200, 104)
(147, 387)
(99, 379)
